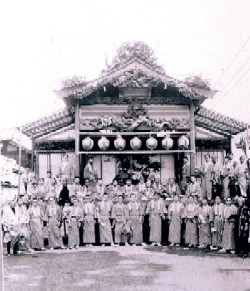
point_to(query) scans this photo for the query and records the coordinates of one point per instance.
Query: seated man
(128, 188)
(42, 191)
(141, 187)
(149, 191)
(76, 188)
(99, 189)
(47, 181)
(114, 189)
(173, 188)
(157, 185)
(194, 188)
(87, 189)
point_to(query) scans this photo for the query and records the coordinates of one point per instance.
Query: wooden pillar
(77, 126)
(33, 154)
(192, 138)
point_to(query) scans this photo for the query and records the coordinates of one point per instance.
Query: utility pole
(1, 233)
(19, 160)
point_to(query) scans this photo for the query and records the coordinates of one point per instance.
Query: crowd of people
(208, 210)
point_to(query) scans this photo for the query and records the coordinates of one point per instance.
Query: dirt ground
(126, 268)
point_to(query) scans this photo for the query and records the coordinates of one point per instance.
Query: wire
(228, 83)
(234, 58)
(225, 94)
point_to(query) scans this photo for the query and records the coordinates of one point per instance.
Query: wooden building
(133, 117)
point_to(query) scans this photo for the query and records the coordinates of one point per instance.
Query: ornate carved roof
(135, 65)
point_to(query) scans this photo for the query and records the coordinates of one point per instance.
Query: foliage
(197, 81)
(73, 82)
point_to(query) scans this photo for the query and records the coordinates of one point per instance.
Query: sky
(44, 42)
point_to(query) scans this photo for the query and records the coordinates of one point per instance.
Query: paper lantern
(103, 143)
(167, 143)
(183, 142)
(135, 143)
(151, 143)
(120, 143)
(87, 143)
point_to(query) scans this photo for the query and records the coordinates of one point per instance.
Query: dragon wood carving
(135, 117)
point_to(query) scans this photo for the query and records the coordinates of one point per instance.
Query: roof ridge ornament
(137, 50)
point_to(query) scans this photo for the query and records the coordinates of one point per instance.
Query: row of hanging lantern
(135, 143)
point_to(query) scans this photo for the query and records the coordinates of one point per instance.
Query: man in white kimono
(90, 172)
(11, 227)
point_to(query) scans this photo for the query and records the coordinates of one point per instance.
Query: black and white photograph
(125, 145)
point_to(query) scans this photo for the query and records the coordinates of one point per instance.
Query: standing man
(218, 223)
(243, 235)
(25, 180)
(36, 226)
(63, 193)
(241, 176)
(156, 210)
(216, 179)
(135, 219)
(226, 173)
(66, 170)
(74, 219)
(191, 213)
(90, 171)
(53, 217)
(11, 227)
(205, 220)
(120, 216)
(103, 215)
(175, 211)
(89, 215)
(228, 237)
(185, 174)
(207, 170)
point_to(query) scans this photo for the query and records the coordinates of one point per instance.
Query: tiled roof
(49, 123)
(218, 123)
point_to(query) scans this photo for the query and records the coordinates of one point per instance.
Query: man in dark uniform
(243, 229)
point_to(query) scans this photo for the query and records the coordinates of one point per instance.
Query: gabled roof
(135, 66)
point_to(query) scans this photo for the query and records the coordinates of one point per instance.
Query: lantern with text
(167, 142)
(183, 142)
(87, 143)
(135, 143)
(103, 143)
(151, 143)
(120, 143)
